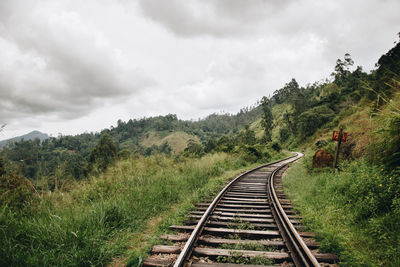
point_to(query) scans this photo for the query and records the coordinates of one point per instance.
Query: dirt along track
(250, 222)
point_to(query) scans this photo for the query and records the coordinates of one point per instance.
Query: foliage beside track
(355, 212)
(96, 220)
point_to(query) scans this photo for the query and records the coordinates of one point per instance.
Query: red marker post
(335, 136)
(340, 137)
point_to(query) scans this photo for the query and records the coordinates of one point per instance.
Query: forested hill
(70, 155)
(29, 136)
(306, 114)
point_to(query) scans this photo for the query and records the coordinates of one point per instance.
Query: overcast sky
(74, 66)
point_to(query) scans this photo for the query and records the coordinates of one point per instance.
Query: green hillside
(29, 136)
(355, 210)
(178, 141)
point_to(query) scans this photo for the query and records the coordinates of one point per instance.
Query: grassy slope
(277, 112)
(343, 208)
(257, 128)
(359, 125)
(177, 140)
(333, 205)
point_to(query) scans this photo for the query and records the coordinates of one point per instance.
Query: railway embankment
(354, 212)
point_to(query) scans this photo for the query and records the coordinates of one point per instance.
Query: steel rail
(299, 251)
(187, 249)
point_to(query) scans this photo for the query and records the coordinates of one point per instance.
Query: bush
(284, 134)
(372, 191)
(385, 147)
(253, 153)
(193, 149)
(276, 146)
(16, 191)
(103, 154)
(355, 211)
(2, 168)
(225, 144)
(124, 154)
(321, 143)
(311, 120)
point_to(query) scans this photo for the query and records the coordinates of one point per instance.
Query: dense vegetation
(356, 211)
(96, 219)
(78, 223)
(76, 200)
(72, 156)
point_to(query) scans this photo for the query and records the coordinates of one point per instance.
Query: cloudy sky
(72, 66)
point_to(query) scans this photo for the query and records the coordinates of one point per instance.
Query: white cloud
(55, 62)
(70, 66)
(215, 18)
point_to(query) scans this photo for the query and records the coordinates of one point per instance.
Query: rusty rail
(299, 251)
(187, 249)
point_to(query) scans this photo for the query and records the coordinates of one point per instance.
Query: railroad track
(250, 222)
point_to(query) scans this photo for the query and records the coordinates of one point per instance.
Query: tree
(247, 136)
(388, 71)
(225, 144)
(210, 145)
(290, 124)
(165, 148)
(284, 134)
(193, 148)
(267, 118)
(2, 167)
(103, 154)
(342, 68)
(311, 120)
(75, 166)
(284, 94)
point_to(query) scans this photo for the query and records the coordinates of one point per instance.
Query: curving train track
(250, 222)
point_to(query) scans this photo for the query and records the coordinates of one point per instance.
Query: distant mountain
(30, 136)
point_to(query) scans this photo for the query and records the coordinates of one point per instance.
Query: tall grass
(93, 222)
(354, 212)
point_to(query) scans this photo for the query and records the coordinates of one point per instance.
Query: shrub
(253, 153)
(311, 120)
(276, 146)
(2, 168)
(193, 149)
(16, 191)
(225, 144)
(103, 154)
(385, 147)
(372, 191)
(355, 211)
(284, 134)
(321, 143)
(123, 154)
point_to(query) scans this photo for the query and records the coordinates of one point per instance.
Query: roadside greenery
(355, 212)
(93, 222)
